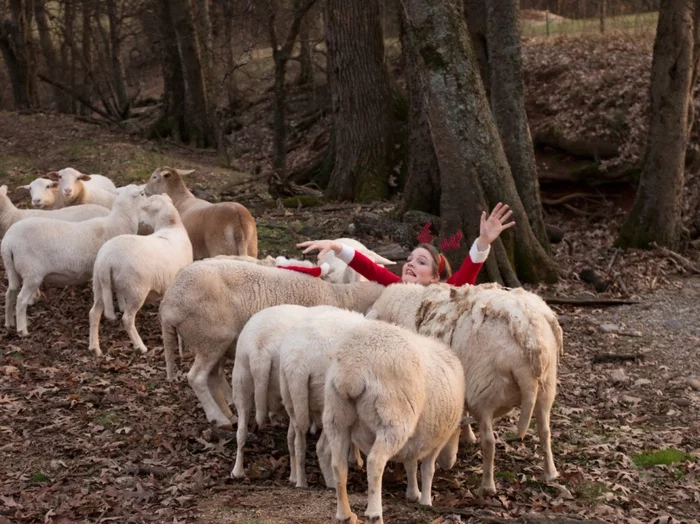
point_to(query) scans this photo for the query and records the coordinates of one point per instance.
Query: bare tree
(49, 53)
(656, 213)
(15, 42)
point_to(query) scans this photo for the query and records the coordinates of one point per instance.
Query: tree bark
(475, 13)
(68, 51)
(422, 189)
(656, 213)
(232, 94)
(474, 171)
(49, 52)
(306, 70)
(118, 76)
(508, 107)
(200, 129)
(360, 100)
(14, 46)
(87, 48)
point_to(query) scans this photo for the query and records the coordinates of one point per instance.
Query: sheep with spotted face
(210, 302)
(397, 396)
(508, 341)
(226, 228)
(138, 268)
(44, 192)
(74, 191)
(37, 250)
(9, 214)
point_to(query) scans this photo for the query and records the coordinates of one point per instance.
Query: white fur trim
(325, 268)
(478, 257)
(346, 254)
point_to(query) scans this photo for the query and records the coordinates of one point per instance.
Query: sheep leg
(542, 411)
(36, 297)
(427, 470)
(300, 449)
(238, 470)
(225, 386)
(468, 436)
(13, 285)
(488, 449)
(215, 382)
(412, 491)
(340, 447)
(95, 316)
(129, 321)
(323, 453)
(384, 447)
(29, 287)
(292, 452)
(199, 379)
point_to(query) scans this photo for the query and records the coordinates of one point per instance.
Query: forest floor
(96, 440)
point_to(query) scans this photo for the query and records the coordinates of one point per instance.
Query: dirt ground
(97, 440)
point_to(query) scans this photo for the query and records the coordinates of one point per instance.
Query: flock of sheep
(387, 372)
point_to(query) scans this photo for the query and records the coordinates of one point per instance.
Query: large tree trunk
(68, 60)
(475, 13)
(360, 100)
(306, 71)
(49, 53)
(118, 76)
(15, 35)
(422, 189)
(232, 94)
(474, 171)
(174, 111)
(200, 129)
(87, 49)
(656, 213)
(508, 106)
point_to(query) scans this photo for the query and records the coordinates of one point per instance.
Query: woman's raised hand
(323, 246)
(491, 227)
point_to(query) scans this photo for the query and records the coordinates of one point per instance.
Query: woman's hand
(492, 227)
(323, 246)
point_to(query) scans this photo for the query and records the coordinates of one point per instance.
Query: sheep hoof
(143, 349)
(551, 476)
(352, 519)
(237, 473)
(23, 333)
(97, 351)
(413, 496)
(488, 490)
(224, 425)
(375, 519)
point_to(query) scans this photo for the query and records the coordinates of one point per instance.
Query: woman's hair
(441, 267)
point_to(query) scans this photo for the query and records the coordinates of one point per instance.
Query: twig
(590, 301)
(611, 357)
(566, 198)
(684, 262)
(612, 261)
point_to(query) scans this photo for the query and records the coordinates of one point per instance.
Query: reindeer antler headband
(426, 237)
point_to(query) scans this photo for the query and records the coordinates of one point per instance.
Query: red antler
(451, 243)
(425, 236)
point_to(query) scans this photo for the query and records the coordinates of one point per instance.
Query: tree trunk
(603, 11)
(49, 52)
(232, 94)
(118, 76)
(174, 110)
(14, 46)
(200, 129)
(306, 71)
(475, 13)
(360, 100)
(656, 213)
(508, 107)
(422, 189)
(474, 171)
(68, 50)
(87, 48)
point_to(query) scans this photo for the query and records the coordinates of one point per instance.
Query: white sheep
(138, 268)
(508, 341)
(75, 192)
(226, 228)
(303, 362)
(9, 214)
(37, 250)
(255, 376)
(340, 273)
(397, 396)
(44, 192)
(211, 300)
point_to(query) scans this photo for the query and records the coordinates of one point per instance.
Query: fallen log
(589, 301)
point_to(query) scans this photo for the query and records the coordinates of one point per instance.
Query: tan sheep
(508, 341)
(226, 228)
(210, 302)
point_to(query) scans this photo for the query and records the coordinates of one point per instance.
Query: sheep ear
(27, 187)
(3, 190)
(183, 172)
(53, 175)
(84, 178)
(54, 185)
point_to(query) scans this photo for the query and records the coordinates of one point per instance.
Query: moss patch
(664, 457)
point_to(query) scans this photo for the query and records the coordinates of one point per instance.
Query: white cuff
(346, 254)
(479, 257)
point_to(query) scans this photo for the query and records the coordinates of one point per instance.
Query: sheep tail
(261, 369)
(170, 342)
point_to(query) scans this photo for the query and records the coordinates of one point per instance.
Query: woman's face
(419, 268)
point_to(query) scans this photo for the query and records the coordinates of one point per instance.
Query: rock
(563, 319)
(694, 383)
(673, 323)
(420, 218)
(619, 376)
(610, 328)
(591, 276)
(555, 234)
(628, 399)
(204, 195)
(682, 402)
(642, 382)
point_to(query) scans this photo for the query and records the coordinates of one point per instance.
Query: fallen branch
(78, 97)
(684, 262)
(611, 357)
(590, 301)
(254, 178)
(566, 198)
